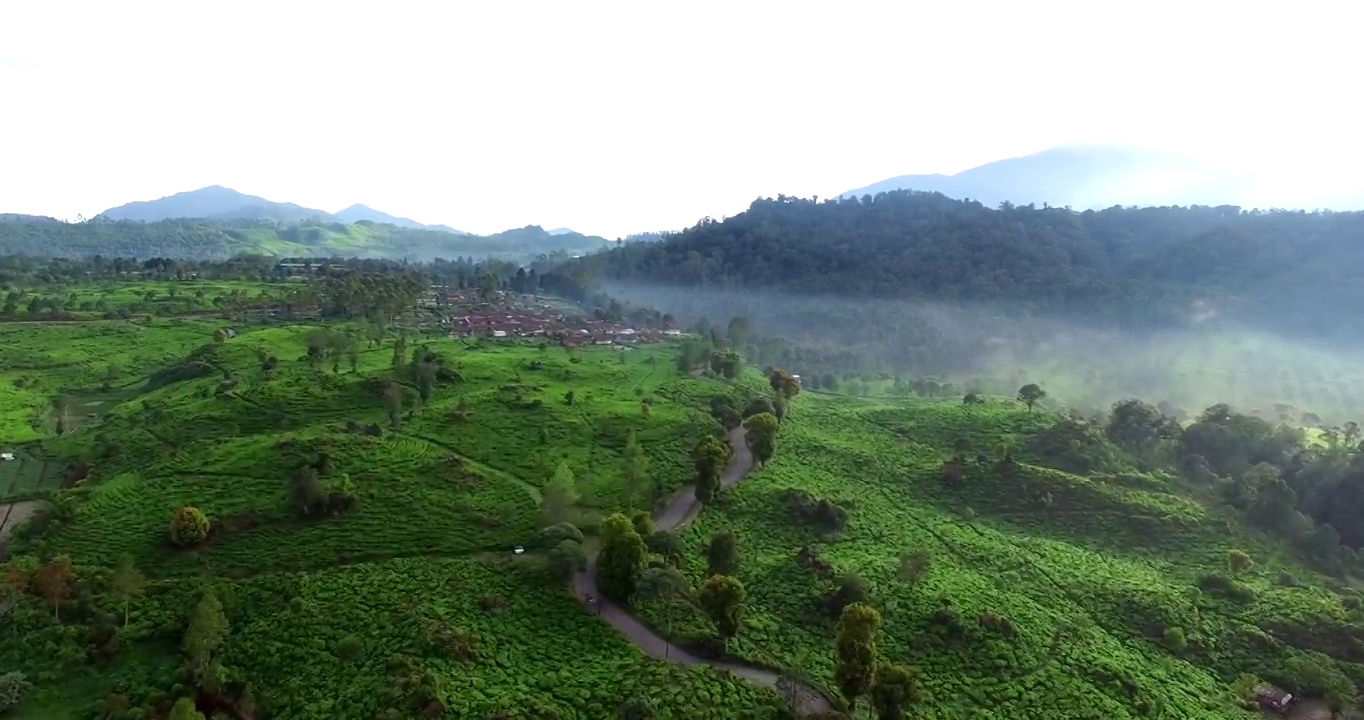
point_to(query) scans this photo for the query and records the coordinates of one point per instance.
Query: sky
(621, 117)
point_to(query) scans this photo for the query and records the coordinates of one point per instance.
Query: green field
(1045, 593)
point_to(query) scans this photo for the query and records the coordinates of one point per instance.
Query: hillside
(1186, 305)
(1082, 177)
(317, 520)
(221, 238)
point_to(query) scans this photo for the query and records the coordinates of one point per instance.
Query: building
(6, 456)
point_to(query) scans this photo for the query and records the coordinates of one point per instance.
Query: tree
(18, 575)
(127, 583)
(425, 374)
(855, 646)
(635, 470)
(393, 398)
(55, 581)
(664, 583)
(894, 689)
(621, 558)
(208, 628)
(220, 336)
(762, 436)
(784, 383)
(560, 495)
(184, 709)
(1029, 395)
(643, 522)
(1238, 562)
(189, 526)
(914, 566)
(399, 353)
(709, 458)
(722, 554)
(13, 687)
(722, 599)
(565, 559)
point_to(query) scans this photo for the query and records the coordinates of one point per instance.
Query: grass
(1049, 592)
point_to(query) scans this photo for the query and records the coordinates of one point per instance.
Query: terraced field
(1040, 592)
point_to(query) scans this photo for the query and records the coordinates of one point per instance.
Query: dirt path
(682, 509)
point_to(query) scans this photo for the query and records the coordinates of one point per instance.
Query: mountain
(559, 231)
(214, 201)
(220, 203)
(358, 212)
(1082, 177)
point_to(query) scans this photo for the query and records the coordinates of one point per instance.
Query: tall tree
(856, 649)
(55, 581)
(722, 554)
(722, 598)
(739, 327)
(208, 628)
(560, 496)
(709, 458)
(620, 562)
(127, 583)
(762, 436)
(1030, 394)
(635, 470)
(663, 583)
(895, 689)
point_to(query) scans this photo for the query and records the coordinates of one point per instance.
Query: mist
(1209, 356)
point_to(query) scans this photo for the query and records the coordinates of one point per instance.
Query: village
(508, 315)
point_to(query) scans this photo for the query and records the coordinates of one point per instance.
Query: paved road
(682, 509)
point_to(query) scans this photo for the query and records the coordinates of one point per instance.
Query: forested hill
(1136, 266)
(222, 238)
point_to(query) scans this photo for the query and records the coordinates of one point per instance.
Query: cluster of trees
(1304, 487)
(93, 603)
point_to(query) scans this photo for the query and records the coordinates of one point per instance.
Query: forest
(1133, 268)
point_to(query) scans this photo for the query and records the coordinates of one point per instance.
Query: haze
(613, 118)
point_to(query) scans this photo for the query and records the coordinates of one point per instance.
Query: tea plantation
(278, 524)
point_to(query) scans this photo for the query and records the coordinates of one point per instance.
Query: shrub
(350, 648)
(13, 687)
(1175, 639)
(805, 508)
(189, 526)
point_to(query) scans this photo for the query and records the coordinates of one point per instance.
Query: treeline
(217, 239)
(1307, 489)
(1136, 267)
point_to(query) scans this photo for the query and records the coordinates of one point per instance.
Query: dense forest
(1133, 267)
(223, 238)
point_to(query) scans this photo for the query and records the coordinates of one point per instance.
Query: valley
(357, 509)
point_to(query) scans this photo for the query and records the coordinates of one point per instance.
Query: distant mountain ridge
(1083, 177)
(220, 203)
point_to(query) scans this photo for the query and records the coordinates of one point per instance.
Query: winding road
(682, 509)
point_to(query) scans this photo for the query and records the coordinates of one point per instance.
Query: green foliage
(722, 554)
(189, 526)
(722, 598)
(620, 561)
(709, 458)
(184, 709)
(761, 431)
(634, 472)
(560, 496)
(567, 558)
(856, 648)
(894, 690)
(1030, 394)
(1238, 562)
(208, 629)
(13, 687)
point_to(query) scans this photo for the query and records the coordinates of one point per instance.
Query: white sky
(618, 117)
